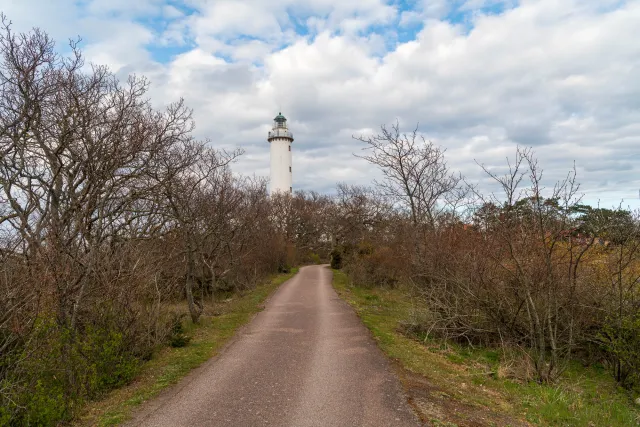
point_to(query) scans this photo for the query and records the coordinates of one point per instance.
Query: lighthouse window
(289, 168)
(289, 148)
(290, 189)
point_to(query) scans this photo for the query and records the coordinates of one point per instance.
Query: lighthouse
(281, 173)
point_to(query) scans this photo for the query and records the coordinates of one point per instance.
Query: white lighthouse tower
(280, 139)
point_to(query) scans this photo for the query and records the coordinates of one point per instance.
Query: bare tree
(79, 153)
(189, 177)
(540, 258)
(415, 173)
(359, 210)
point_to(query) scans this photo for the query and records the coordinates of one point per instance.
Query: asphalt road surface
(306, 360)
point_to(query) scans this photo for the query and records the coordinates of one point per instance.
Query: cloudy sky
(479, 76)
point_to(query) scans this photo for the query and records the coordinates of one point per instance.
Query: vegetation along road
(306, 360)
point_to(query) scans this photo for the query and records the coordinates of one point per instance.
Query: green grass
(172, 364)
(477, 380)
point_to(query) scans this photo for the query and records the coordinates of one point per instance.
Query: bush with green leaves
(315, 258)
(64, 369)
(620, 339)
(336, 259)
(178, 338)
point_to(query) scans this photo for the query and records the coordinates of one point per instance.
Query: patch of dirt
(435, 407)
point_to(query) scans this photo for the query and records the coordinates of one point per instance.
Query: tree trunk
(194, 310)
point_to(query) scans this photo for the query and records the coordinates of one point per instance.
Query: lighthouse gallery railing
(280, 133)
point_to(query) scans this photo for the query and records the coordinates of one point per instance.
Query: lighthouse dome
(280, 118)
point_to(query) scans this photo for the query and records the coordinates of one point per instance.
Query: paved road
(306, 360)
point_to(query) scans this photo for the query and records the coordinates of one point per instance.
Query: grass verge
(219, 323)
(457, 386)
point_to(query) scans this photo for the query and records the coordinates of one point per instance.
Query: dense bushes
(48, 382)
(336, 258)
(471, 293)
(529, 268)
(557, 297)
(620, 341)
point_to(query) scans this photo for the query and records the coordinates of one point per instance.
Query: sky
(477, 77)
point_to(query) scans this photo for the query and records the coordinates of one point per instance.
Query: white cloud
(171, 12)
(233, 18)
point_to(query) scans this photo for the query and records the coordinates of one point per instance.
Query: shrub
(284, 268)
(336, 259)
(315, 258)
(620, 340)
(178, 338)
(46, 405)
(109, 361)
